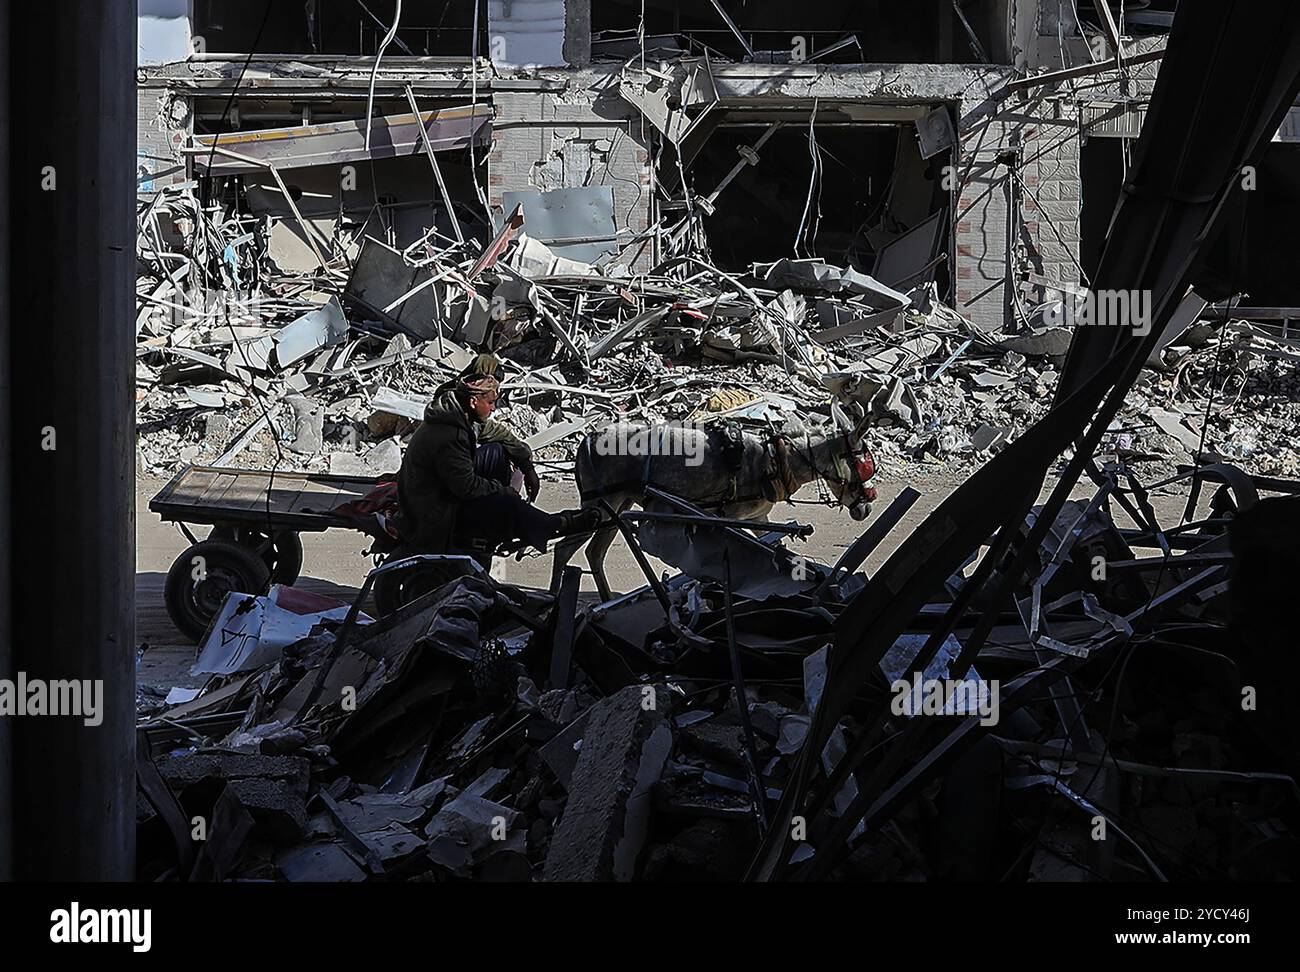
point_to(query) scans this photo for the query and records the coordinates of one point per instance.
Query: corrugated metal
(1112, 120)
(337, 142)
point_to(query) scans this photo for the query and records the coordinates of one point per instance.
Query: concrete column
(577, 32)
(71, 432)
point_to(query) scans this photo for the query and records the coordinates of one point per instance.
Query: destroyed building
(859, 219)
(875, 135)
(712, 175)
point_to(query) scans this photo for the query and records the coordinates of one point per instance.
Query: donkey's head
(852, 466)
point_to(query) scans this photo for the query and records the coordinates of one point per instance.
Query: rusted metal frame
(566, 607)
(1063, 697)
(819, 799)
(1174, 595)
(888, 802)
(661, 593)
(858, 551)
(758, 792)
(789, 529)
(1161, 257)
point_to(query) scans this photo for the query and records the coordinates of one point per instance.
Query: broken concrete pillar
(604, 824)
(272, 788)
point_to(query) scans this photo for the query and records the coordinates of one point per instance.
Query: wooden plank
(314, 487)
(249, 495)
(193, 486)
(164, 495)
(356, 488)
(213, 494)
(320, 502)
(286, 503)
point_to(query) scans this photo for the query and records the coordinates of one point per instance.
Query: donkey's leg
(599, 546)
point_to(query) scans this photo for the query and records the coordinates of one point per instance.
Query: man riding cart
(457, 490)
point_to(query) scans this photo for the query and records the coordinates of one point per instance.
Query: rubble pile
(239, 364)
(494, 732)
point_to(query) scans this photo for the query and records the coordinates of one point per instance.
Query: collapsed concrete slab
(604, 824)
(272, 788)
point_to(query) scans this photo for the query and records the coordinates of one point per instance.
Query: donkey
(738, 476)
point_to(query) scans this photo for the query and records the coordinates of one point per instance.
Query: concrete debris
(319, 359)
(755, 713)
(603, 827)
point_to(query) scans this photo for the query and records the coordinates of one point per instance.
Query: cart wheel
(400, 587)
(203, 575)
(282, 553)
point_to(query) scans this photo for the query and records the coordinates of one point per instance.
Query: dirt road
(333, 563)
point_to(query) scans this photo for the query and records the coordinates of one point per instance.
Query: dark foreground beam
(70, 433)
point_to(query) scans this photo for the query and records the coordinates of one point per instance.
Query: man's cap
(480, 385)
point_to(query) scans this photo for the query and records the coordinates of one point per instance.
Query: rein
(821, 476)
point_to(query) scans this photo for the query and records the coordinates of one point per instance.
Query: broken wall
(395, 200)
(1016, 178)
(1018, 213)
(162, 125)
(578, 133)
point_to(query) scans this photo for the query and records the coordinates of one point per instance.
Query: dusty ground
(333, 563)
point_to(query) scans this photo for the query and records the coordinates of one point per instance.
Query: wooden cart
(256, 516)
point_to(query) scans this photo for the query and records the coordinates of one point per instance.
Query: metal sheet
(323, 327)
(903, 261)
(379, 277)
(936, 133)
(337, 142)
(577, 223)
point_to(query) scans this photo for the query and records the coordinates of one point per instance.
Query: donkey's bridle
(862, 466)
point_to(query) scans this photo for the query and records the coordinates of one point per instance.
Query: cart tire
(396, 589)
(225, 566)
(283, 556)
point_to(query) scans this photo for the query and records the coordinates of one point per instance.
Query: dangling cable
(374, 72)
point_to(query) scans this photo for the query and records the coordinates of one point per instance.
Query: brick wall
(580, 136)
(1018, 206)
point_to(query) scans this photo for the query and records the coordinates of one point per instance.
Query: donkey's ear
(842, 421)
